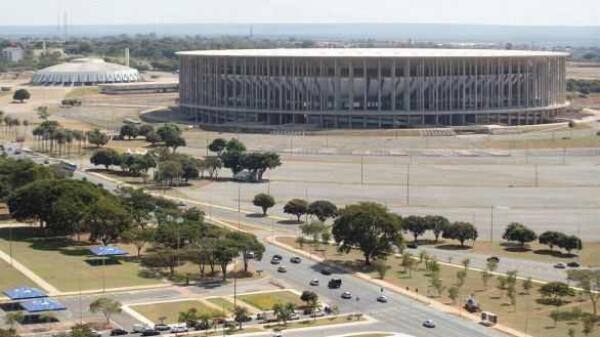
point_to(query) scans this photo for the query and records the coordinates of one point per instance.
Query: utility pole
(362, 170)
(492, 223)
(408, 184)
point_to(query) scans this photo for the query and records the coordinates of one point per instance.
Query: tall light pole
(408, 184)
(362, 170)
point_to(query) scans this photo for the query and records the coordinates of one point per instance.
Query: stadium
(85, 71)
(372, 88)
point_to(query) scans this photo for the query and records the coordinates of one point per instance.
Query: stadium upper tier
(372, 88)
(85, 71)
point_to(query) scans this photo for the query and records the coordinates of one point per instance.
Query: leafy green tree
(189, 317)
(107, 219)
(139, 237)
(21, 95)
(106, 158)
(145, 129)
(322, 209)
(81, 330)
(152, 137)
(218, 146)
(311, 299)
(283, 312)
(240, 315)
(257, 163)
(437, 224)
(368, 226)
(569, 243)
(415, 225)
(381, 267)
(247, 243)
(589, 281)
(225, 252)
(518, 232)
(461, 231)
(170, 134)
(408, 263)
(555, 291)
(297, 207)
(212, 165)
(137, 164)
(453, 293)
(139, 204)
(264, 201)
(314, 230)
(485, 278)
(527, 284)
(169, 171)
(98, 138)
(129, 131)
(232, 161)
(106, 306)
(551, 238)
(234, 145)
(163, 258)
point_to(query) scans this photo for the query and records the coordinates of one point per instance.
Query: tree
(163, 258)
(225, 252)
(436, 283)
(189, 317)
(283, 312)
(453, 293)
(518, 232)
(555, 291)
(105, 157)
(297, 207)
(175, 143)
(14, 317)
(527, 285)
(240, 315)
(570, 242)
(461, 276)
(247, 243)
(461, 231)
(485, 277)
(218, 146)
(437, 224)
(98, 138)
(129, 131)
(264, 201)
(153, 138)
(212, 165)
(107, 306)
(408, 263)
(589, 281)
(311, 299)
(145, 129)
(416, 225)
(322, 209)
(314, 230)
(257, 163)
(42, 112)
(21, 95)
(551, 238)
(169, 171)
(234, 145)
(368, 226)
(466, 262)
(381, 267)
(139, 237)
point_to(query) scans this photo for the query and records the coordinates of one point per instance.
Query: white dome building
(85, 71)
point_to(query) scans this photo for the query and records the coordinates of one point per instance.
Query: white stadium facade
(83, 72)
(372, 88)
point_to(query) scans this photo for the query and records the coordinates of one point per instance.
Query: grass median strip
(170, 310)
(265, 301)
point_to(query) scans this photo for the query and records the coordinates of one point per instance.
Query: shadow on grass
(453, 247)
(554, 253)
(255, 215)
(289, 222)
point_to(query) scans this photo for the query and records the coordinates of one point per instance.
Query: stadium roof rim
(371, 52)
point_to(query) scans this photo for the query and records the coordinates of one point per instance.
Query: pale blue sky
(505, 12)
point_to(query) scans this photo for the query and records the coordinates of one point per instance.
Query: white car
(346, 295)
(560, 265)
(177, 328)
(382, 299)
(429, 324)
(314, 282)
(139, 327)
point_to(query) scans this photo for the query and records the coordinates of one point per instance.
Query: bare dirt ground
(583, 70)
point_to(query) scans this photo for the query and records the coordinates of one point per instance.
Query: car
(181, 327)
(162, 327)
(150, 332)
(334, 283)
(413, 245)
(314, 282)
(429, 324)
(294, 316)
(282, 269)
(573, 264)
(560, 265)
(346, 295)
(493, 259)
(382, 299)
(277, 334)
(325, 271)
(250, 255)
(95, 333)
(118, 332)
(317, 313)
(295, 259)
(275, 261)
(277, 257)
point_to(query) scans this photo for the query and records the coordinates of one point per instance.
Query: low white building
(13, 54)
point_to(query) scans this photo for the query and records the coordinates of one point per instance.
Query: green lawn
(10, 277)
(315, 322)
(220, 302)
(66, 264)
(265, 301)
(171, 310)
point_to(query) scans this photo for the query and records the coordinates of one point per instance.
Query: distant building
(13, 54)
(85, 71)
(37, 53)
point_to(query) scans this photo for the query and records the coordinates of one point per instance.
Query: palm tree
(283, 312)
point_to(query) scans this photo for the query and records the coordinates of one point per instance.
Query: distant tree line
(583, 86)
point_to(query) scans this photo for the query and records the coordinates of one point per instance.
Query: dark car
(573, 264)
(150, 332)
(162, 327)
(295, 259)
(334, 283)
(412, 245)
(277, 257)
(325, 271)
(118, 332)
